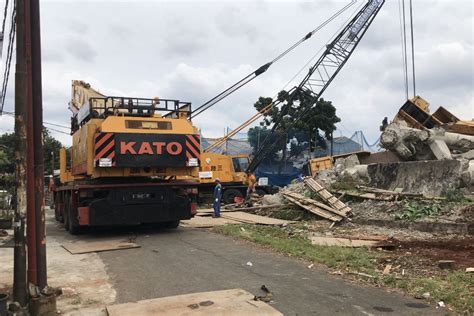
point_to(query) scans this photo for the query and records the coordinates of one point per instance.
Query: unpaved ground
(83, 277)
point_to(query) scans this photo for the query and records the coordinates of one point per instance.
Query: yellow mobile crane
(127, 161)
(230, 169)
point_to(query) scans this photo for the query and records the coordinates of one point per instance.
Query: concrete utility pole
(37, 122)
(21, 96)
(30, 164)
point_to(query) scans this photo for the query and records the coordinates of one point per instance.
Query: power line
(251, 76)
(4, 19)
(404, 47)
(8, 60)
(412, 48)
(45, 123)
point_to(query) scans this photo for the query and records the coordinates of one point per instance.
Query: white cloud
(192, 52)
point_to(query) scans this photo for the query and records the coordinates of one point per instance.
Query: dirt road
(186, 260)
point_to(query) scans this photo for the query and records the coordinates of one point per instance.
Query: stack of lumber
(326, 196)
(314, 207)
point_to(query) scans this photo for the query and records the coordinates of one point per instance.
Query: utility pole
(37, 124)
(30, 166)
(21, 96)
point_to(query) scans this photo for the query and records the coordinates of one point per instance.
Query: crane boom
(325, 69)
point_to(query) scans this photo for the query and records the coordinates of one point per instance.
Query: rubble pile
(427, 171)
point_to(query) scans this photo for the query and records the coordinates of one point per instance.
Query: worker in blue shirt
(217, 198)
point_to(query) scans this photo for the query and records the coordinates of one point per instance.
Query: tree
(305, 114)
(51, 145)
(318, 114)
(7, 152)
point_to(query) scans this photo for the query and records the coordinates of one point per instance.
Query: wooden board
(206, 222)
(79, 247)
(255, 219)
(344, 242)
(226, 303)
(205, 211)
(327, 196)
(307, 204)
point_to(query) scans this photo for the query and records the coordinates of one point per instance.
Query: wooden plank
(211, 211)
(260, 207)
(255, 219)
(315, 210)
(233, 302)
(79, 247)
(206, 222)
(326, 195)
(345, 242)
(301, 197)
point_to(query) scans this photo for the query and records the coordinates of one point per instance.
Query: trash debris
(268, 297)
(440, 304)
(387, 269)
(470, 270)
(250, 264)
(311, 266)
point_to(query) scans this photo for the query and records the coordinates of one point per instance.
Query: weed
(455, 195)
(415, 210)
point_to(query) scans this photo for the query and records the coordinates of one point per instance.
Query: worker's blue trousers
(217, 209)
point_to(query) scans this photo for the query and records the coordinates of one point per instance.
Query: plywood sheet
(206, 222)
(255, 219)
(79, 247)
(226, 303)
(344, 242)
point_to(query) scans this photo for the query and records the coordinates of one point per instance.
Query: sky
(192, 50)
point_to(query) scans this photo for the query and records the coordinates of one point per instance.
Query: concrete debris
(434, 178)
(415, 144)
(272, 199)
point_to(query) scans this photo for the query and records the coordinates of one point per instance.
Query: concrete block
(440, 150)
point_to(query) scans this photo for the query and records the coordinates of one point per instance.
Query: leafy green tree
(305, 114)
(7, 152)
(51, 145)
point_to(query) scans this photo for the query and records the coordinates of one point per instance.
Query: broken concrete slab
(80, 247)
(433, 177)
(227, 302)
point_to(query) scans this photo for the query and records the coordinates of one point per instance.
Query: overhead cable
(251, 76)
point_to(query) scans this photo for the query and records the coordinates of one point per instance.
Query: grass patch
(354, 259)
(454, 288)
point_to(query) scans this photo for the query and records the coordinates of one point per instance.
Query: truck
(132, 161)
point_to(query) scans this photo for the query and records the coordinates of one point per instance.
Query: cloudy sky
(192, 50)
